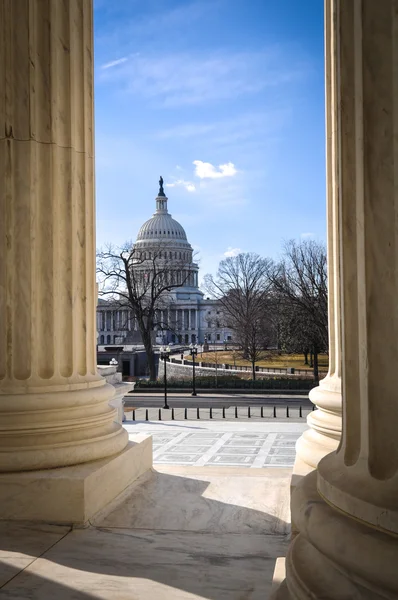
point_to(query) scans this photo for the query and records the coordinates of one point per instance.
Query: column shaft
(326, 422)
(346, 511)
(362, 477)
(53, 405)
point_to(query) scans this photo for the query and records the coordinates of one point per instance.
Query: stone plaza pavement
(206, 523)
(222, 443)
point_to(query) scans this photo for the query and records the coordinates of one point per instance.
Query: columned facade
(54, 406)
(347, 511)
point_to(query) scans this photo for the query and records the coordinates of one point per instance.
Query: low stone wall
(184, 371)
(112, 376)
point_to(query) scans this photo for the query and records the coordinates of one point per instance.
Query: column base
(335, 557)
(72, 495)
(300, 470)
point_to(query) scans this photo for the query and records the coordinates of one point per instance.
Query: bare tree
(300, 278)
(141, 281)
(242, 288)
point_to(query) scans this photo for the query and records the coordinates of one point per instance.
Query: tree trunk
(316, 370)
(253, 370)
(306, 357)
(150, 355)
(311, 359)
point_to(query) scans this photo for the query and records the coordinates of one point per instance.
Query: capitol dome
(163, 239)
(161, 227)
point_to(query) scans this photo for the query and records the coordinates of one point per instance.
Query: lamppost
(216, 359)
(164, 355)
(193, 352)
(234, 357)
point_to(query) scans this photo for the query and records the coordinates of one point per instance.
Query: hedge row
(271, 383)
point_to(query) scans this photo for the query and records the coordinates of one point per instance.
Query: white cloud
(188, 185)
(307, 235)
(113, 63)
(230, 252)
(205, 170)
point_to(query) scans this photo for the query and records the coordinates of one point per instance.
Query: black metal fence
(230, 413)
(248, 369)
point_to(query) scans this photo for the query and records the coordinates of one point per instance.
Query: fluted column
(347, 511)
(362, 477)
(325, 424)
(53, 404)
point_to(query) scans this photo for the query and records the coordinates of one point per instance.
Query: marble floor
(228, 444)
(179, 533)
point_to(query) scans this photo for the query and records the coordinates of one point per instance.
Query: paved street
(226, 444)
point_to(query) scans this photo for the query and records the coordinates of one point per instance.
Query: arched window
(108, 339)
(102, 340)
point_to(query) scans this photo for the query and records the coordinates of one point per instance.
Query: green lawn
(269, 359)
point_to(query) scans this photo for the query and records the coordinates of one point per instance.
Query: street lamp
(193, 352)
(164, 355)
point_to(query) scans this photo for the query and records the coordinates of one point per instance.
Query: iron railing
(236, 412)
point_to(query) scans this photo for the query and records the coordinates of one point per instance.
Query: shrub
(233, 382)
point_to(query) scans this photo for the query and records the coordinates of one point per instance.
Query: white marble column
(362, 477)
(189, 319)
(325, 424)
(347, 510)
(54, 407)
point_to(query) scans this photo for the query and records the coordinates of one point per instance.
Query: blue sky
(225, 100)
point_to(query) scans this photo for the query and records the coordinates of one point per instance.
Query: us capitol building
(189, 317)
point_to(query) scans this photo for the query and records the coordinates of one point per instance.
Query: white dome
(161, 227)
(163, 237)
